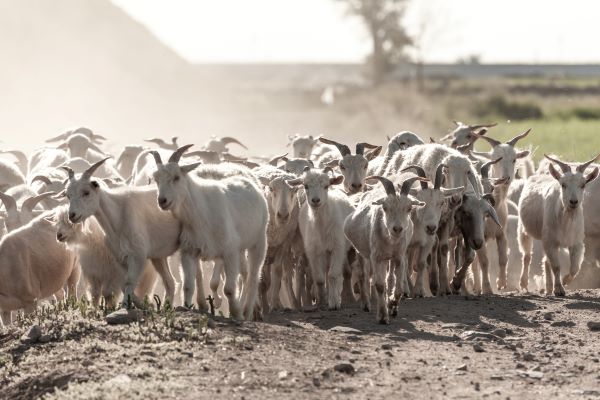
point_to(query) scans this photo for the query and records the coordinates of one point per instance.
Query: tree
(383, 20)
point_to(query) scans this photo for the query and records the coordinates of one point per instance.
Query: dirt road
(498, 347)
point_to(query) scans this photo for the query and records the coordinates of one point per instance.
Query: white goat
(219, 144)
(15, 217)
(135, 228)
(353, 167)
(381, 229)
(220, 220)
(321, 223)
(33, 266)
(551, 210)
(464, 136)
(303, 145)
(100, 268)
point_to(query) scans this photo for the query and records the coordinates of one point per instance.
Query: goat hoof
(559, 291)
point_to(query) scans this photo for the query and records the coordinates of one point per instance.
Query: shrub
(498, 105)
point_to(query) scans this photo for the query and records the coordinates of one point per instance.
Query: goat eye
(564, 186)
(86, 193)
(306, 187)
(326, 186)
(342, 167)
(176, 179)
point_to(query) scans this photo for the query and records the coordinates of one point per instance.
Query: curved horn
(474, 127)
(59, 137)
(178, 153)
(84, 131)
(273, 161)
(41, 178)
(9, 202)
(90, 171)
(95, 148)
(439, 176)
(583, 166)
(360, 147)
(95, 136)
(388, 185)
(514, 140)
(493, 142)
(485, 168)
(69, 171)
(231, 158)
(420, 172)
(344, 150)
(228, 139)
(563, 165)
(157, 157)
(492, 213)
(30, 203)
(407, 184)
(19, 155)
(464, 148)
(474, 183)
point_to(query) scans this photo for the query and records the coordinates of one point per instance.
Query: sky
(254, 31)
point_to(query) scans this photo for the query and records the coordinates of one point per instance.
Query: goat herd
(325, 227)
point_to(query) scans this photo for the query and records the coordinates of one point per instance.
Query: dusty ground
(523, 347)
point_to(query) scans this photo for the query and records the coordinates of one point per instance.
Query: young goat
(551, 210)
(380, 229)
(321, 223)
(221, 219)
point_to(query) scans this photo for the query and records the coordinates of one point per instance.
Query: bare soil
(502, 346)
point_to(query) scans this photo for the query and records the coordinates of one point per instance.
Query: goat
(220, 220)
(381, 229)
(551, 210)
(464, 136)
(135, 228)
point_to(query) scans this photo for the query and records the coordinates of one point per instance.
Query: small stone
(528, 357)
(32, 335)
(520, 366)
(462, 367)
(282, 375)
(123, 316)
(343, 329)
(548, 316)
(386, 347)
(497, 377)
(563, 324)
(45, 338)
(182, 309)
(478, 348)
(594, 326)
(499, 332)
(532, 374)
(345, 368)
(211, 323)
(316, 381)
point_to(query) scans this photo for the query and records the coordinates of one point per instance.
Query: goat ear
(60, 195)
(482, 154)
(554, 172)
(95, 184)
(337, 180)
(264, 180)
(374, 153)
(190, 167)
(522, 154)
(592, 175)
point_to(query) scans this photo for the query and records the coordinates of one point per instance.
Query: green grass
(572, 139)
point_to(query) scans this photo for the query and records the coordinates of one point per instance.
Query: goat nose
(72, 215)
(315, 201)
(356, 186)
(162, 201)
(282, 215)
(574, 202)
(431, 228)
(397, 229)
(59, 236)
(477, 243)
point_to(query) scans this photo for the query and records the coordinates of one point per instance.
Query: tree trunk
(378, 60)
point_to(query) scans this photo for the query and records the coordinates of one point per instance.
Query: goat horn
(362, 146)
(42, 178)
(485, 168)
(90, 171)
(581, 167)
(9, 202)
(514, 140)
(178, 153)
(464, 148)
(59, 137)
(69, 171)
(231, 158)
(388, 185)
(407, 184)
(439, 176)
(563, 165)
(493, 142)
(273, 161)
(157, 157)
(474, 183)
(420, 172)
(228, 139)
(473, 127)
(30, 203)
(344, 150)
